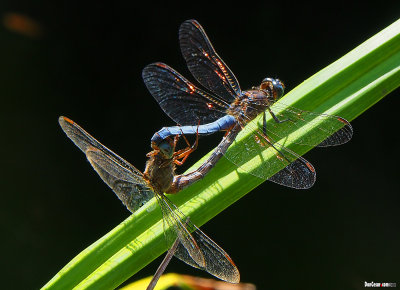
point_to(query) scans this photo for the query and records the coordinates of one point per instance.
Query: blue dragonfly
(135, 188)
(222, 105)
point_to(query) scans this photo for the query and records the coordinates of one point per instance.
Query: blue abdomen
(222, 124)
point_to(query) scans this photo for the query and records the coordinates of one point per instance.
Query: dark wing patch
(181, 100)
(205, 64)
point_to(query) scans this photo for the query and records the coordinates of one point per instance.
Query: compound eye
(279, 88)
(266, 83)
(268, 80)
(166, 148)
(275, 85)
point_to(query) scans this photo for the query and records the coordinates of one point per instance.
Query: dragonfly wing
(217, 261)
(196, 249)
(205, 64)
(327, 130)
(130, 189)
(122, 177)
(175, 227)
(180, 99)
(297, 173)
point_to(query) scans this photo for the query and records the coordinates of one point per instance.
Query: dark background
(85, 60)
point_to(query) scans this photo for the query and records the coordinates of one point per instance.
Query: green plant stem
(347, 88)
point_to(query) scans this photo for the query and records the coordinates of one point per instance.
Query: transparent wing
(205, 64)
(268, 155)
(298, 173)
(174, 227)
(197, 249)
(217, 261)
(130, 189)
(328, 130)
(123, 178)
(182, 101)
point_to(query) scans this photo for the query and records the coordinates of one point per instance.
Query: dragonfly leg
(176, 138)
(279, 153)
(152, 153)
(275, 117)
(184, 153)
(265, 125)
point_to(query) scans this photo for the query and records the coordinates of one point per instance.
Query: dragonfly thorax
(160, 168)
(250, 104)
(159, 172)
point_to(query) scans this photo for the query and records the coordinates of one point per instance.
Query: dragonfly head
(166, 147)
(275, 86)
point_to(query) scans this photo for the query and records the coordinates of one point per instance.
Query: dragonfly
(222, 104)
(135, 188)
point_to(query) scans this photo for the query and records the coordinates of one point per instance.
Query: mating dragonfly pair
(221, 106)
